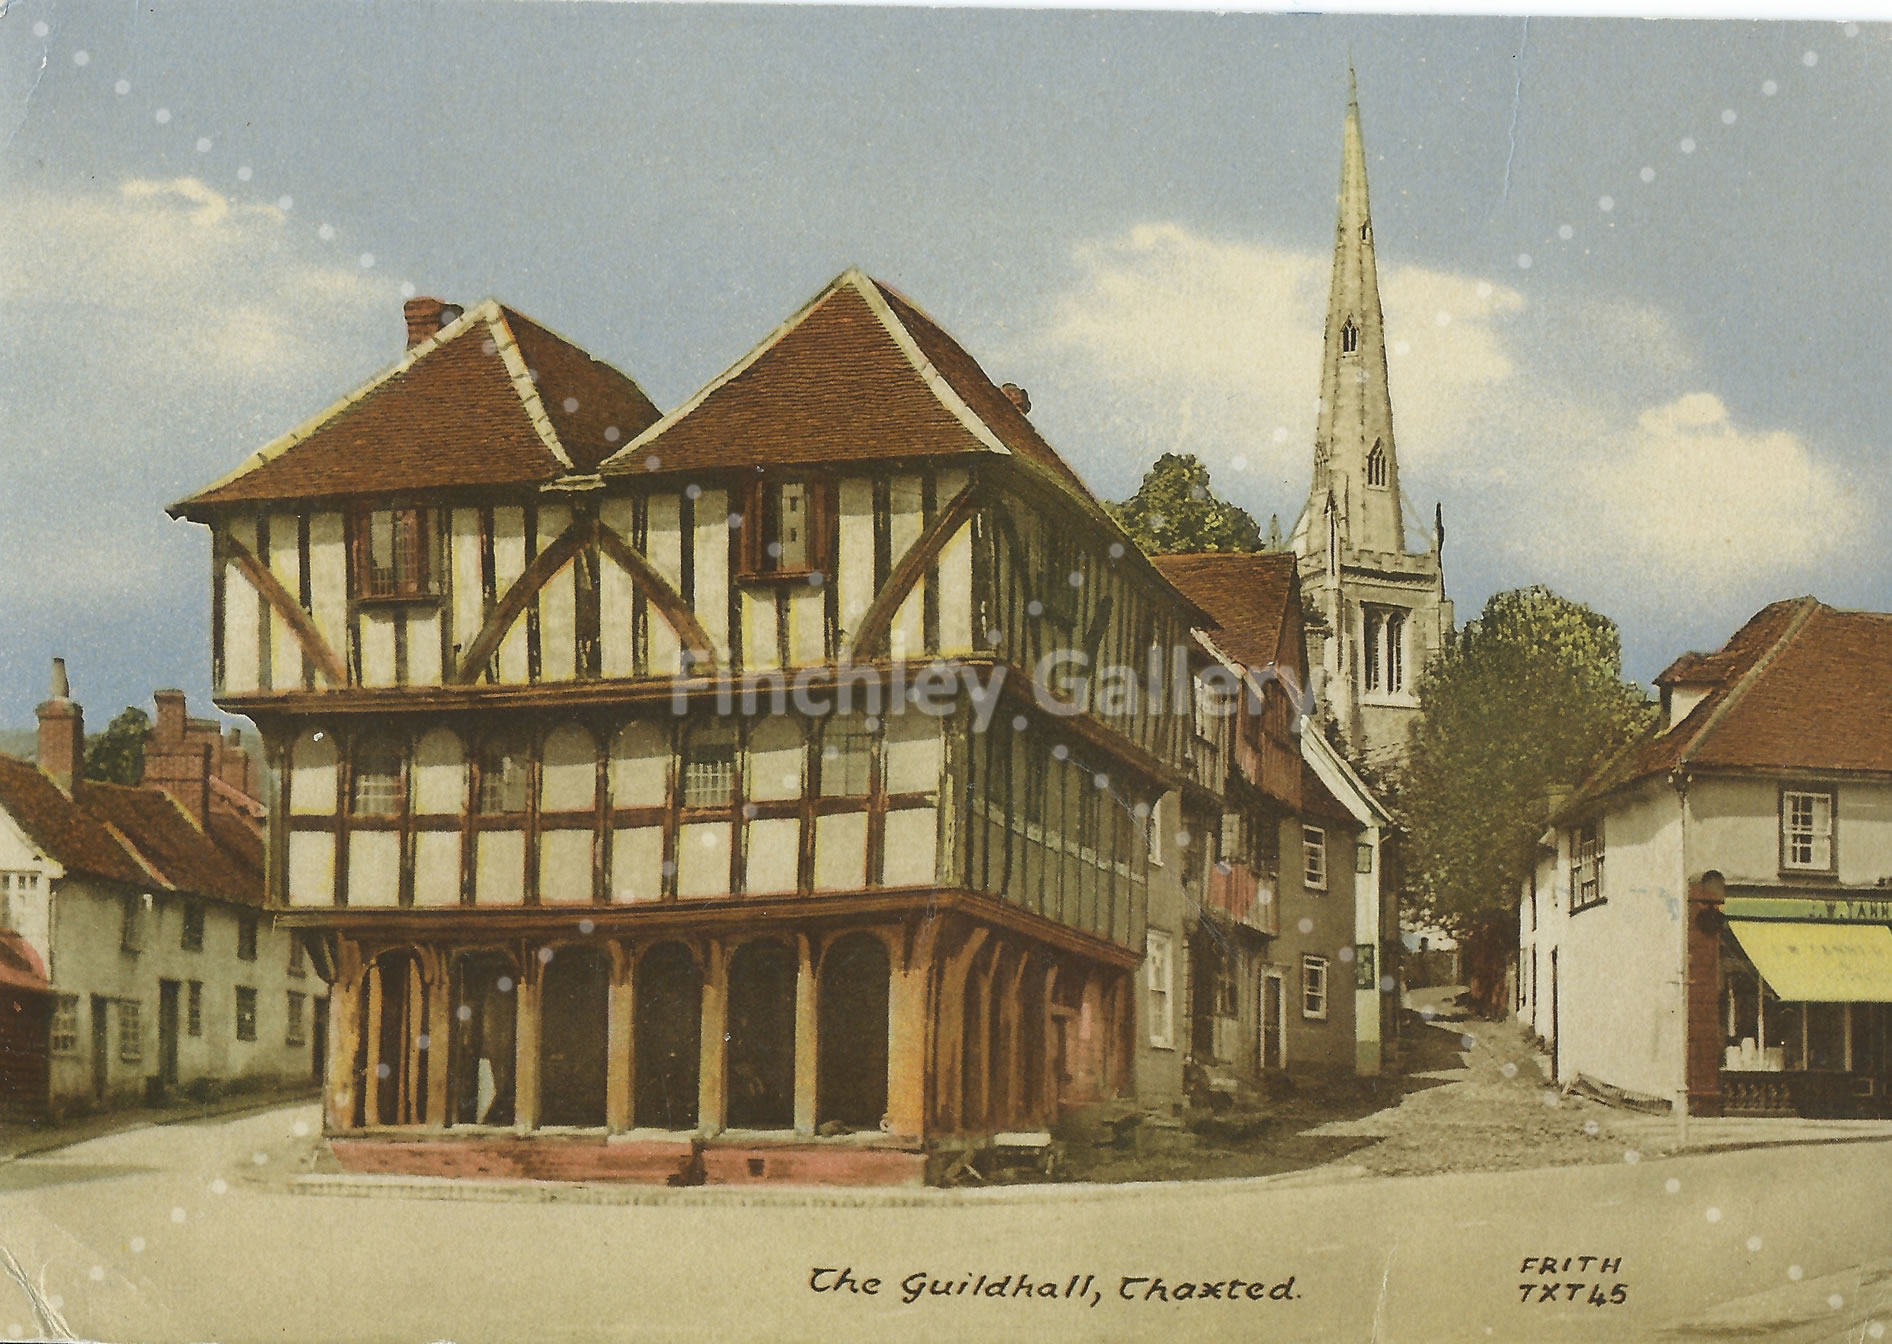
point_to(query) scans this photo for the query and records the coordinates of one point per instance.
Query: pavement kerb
(562, 1192)
(55, 1137)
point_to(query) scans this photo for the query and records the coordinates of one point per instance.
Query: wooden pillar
(620, 1061)
(374, 994)
(712, 1081)
(807, 1036)
(1701, 996)
(439, 1034)
(949, 1052)
(525, 1073)
(976, 1093)
(908, 1041)
(344, 1038)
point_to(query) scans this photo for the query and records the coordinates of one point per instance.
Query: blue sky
(1676, 412)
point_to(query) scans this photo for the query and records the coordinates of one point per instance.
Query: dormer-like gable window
(393, 558)
(783, 529)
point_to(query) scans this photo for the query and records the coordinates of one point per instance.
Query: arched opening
(667, 1038)
(485, 1035)
(393, 1030)
(851, 1026)
(574, 1025)
(761, 1049)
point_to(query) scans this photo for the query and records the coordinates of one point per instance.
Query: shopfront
(1806, 998)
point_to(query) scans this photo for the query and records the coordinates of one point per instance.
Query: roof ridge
(506, 346)
(936, 383)
(282, 443)
(728, 375)
(136, 855)
(1805, 609)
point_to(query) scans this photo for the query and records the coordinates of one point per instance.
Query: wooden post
(344, 1038)
(975, 1111)
(620, 1061)
(1053, 1080)
(907, 1034)
(712, 1083)
(439, 1035)
(526, 1058)
(949, 1031)
(375, 996)
(807, 1036)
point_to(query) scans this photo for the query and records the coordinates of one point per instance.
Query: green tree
(1527, 696)
(117, 755)
(1174, 510)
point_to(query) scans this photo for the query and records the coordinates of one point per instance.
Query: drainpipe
(1679, 779)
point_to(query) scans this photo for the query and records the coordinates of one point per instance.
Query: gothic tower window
(1383, 644)
(1366, 228)
(1349, 337)
(1376, 465)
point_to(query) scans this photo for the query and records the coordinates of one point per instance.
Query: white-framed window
(1313, 986)
(1314, 858)
(847, 757)
(709, 766)
(391, 556)
(1159, 975)
(1586, 866)
(12, 885)
(1806, 830)
(377, 780)
(293, 1032)
(65, 1025)
(245, 1013)
(131, 1031)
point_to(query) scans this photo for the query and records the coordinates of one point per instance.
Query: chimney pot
(1019, 397)
(62, 733)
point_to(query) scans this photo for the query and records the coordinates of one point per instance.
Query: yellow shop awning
(1820, 963)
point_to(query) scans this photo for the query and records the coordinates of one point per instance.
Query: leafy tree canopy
(117, 755)
(1174, 510)
(1529, 695)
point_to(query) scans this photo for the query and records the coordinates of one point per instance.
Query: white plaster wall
(1734, 828)
(1619, 968)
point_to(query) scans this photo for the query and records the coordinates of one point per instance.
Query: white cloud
(175, 280)
(1563, 429)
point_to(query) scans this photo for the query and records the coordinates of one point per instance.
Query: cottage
(1709, 916)
(135, 943)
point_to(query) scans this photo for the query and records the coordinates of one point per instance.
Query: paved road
(163, 1233)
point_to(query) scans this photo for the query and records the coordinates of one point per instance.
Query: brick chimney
(426, 316)
(62, 733)
(1018, 396)
(173, 762)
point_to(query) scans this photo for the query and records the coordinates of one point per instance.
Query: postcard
(702, 672)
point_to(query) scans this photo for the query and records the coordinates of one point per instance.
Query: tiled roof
(1246, 594)
(858, 374)
(460, 408)
(1318, 804)
(138, 836)
(1801, 686)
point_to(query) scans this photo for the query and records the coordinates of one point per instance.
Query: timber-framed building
(607, 787)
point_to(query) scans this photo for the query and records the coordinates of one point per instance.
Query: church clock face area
(789, 672)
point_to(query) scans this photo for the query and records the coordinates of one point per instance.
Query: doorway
(761, 1087)
(101, 1043)
(1274, 1001)
(851, 1060)
(167, 1034)
(574, 1016)
(667, 1036)
(318, 1038)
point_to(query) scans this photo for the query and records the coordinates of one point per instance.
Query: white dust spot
(1565, 232)
(1239, 462)
(84, 58)
(1524, 261)
(503, 984)
(1346, 954)
(96, 1273)
(326, 233)
(1399, 348)
(245, 173)
(162, 116)
(301, 1128)
(1713, 1215)
(1769, 88)
(1631, 1156)
(1606, 203)
(611, 433)
(1835, 1301)
(571, 404)
(1442, 318)
(1116, 553)
(1060, 752)
(1591, 1128)
(178, 1215)
(219, 1186)
(1102, 781)
(1484, 289)
(1647, 174)
(652, 462)
(1020, 723)
(1672, 1186)
(367, 261)
(1281, 431)
(1810, 59)
(286, 203)
(1754, 1243)
(1795, 1273)
(122, 88)
(585, 926)
(39, 30)
(203, 144)
(693, 490)
(1688, 144)
(545, 956)
(1305, 926)
(137, 1245)
(1727, 116)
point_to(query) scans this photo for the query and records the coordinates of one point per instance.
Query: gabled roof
(1801, 686)
(1247, 594)
(491, 399)
(859, 374)
(138, 836)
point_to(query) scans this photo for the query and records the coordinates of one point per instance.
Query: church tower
(1378, 608)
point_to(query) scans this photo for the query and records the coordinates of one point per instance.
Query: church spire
(1354, 458)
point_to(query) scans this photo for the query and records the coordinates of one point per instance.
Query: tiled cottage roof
(138, 836)
(1801, 686)
(491, 399)
(859, 374)
(1246, 594)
